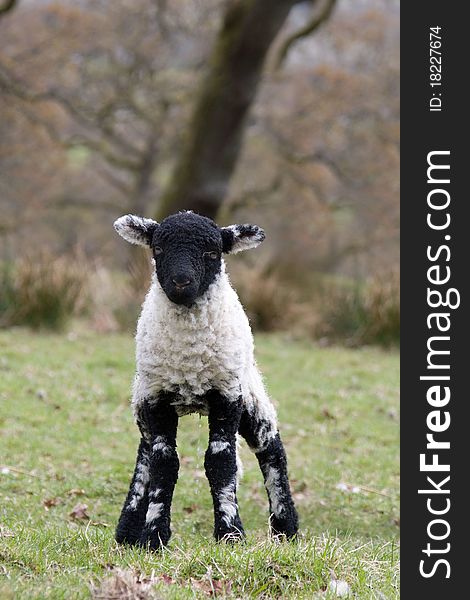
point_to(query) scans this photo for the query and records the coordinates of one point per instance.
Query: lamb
(195, 353)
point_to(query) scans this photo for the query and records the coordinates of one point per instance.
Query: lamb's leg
(221, 465)
(263, 438)
(158, 417)
(133, 513)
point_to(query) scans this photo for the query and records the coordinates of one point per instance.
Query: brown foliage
(97, 98)
(43, 291)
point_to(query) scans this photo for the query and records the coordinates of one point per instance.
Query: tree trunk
(7, 6)
(201, 176)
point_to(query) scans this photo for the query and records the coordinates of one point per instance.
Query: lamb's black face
(187, 249)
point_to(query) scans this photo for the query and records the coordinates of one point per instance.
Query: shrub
(7, 292)
(367, 313)
(43, 291)
(268, 301)
(337, 309)
(382, 303)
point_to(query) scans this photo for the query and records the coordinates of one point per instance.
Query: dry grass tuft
(336, 309)
(366, 313)
(44, 291)
(271, 305)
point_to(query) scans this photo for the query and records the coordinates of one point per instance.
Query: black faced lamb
(194, 353)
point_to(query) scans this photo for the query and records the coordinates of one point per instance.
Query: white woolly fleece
(191, 351)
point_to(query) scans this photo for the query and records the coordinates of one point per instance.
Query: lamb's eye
(157, 250)
(212, 255)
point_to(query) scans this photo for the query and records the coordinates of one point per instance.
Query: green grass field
(67, 438)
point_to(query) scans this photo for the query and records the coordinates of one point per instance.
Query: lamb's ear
(236, 238)
(136, 230)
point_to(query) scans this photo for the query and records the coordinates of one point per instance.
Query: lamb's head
(187, 249)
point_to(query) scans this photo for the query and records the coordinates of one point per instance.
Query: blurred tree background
(276, 112)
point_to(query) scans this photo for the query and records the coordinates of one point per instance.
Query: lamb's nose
(180, 284)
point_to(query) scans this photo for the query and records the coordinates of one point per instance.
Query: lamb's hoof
(284, 528)
(154, 538)
(124, 540)
(230, 535)
(127, 535)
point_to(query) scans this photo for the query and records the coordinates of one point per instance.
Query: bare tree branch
(67, 201)
(254, 196)
(161, 16)
(110, 178)
(12, 86)
(284, 149)
(100, 146)
(318, 18)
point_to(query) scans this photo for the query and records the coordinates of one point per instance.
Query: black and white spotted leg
(133, 512)
(264, 439)
(221, 465)
(145, 517)
(158, 418)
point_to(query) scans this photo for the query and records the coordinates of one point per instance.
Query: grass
(67, 437)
